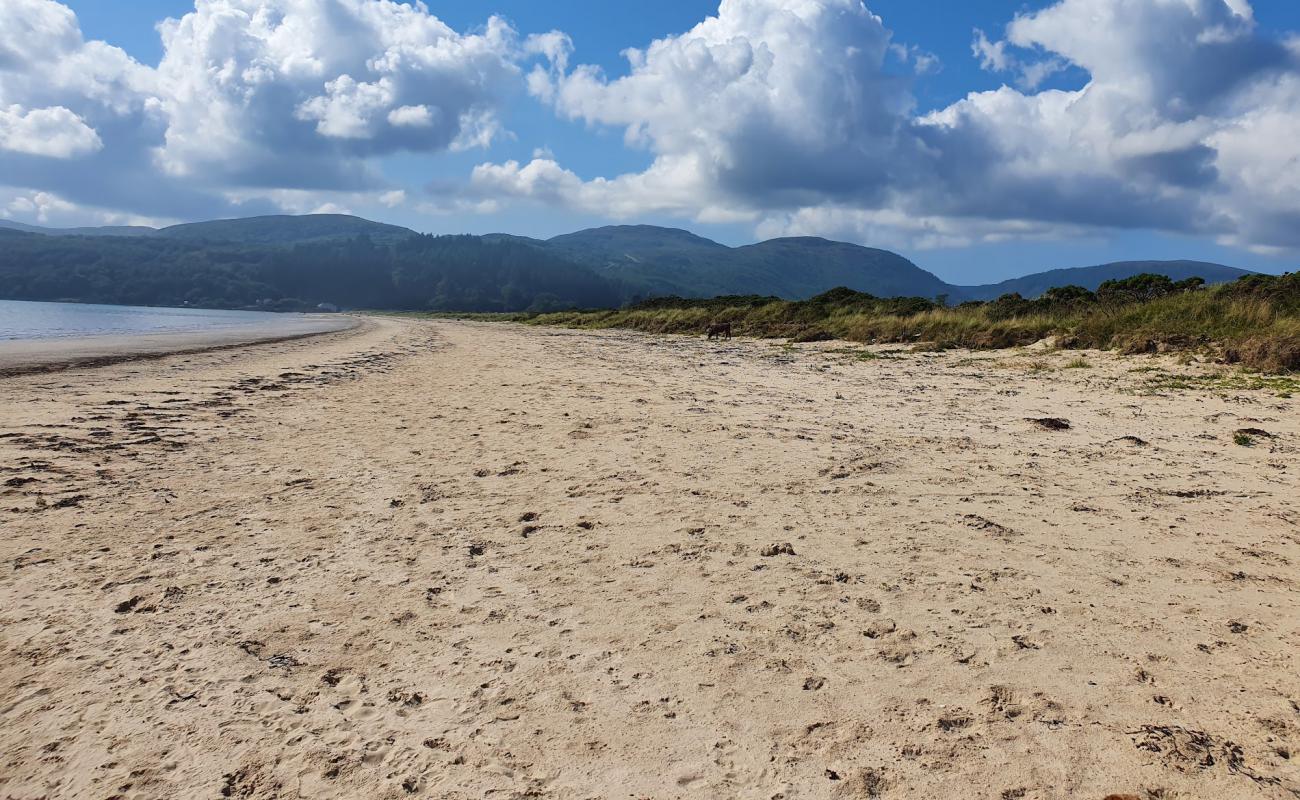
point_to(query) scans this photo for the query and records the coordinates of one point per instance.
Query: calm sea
(25, 320)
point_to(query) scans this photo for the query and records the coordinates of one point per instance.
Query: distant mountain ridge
(285, 229)
(671, 261)
(104, 230)
(270, 230)
(1030, 286)
(655, 261)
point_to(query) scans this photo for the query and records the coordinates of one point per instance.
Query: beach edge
(44, 356)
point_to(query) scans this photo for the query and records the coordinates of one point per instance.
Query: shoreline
(35, 356)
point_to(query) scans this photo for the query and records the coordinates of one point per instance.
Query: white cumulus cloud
(797, 116)
(750, 107)
(1182, 126)
(55, 132)
(251, 98)
(45, 62)
(39, 205)
(788, 113)
(298, 92)
(411, 117)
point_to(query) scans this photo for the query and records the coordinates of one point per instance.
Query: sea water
(29, 320)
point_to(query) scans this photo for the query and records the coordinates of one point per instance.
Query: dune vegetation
(1254, 321)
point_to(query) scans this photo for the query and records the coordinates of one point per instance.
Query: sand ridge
(460, 560)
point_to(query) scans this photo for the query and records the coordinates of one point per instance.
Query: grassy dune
(1254, 321)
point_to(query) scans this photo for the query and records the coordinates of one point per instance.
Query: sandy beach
(473, 560)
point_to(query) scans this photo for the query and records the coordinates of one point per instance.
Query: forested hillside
(433, 273)
(294, 262)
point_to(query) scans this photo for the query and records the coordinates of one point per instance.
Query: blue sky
(976, 165)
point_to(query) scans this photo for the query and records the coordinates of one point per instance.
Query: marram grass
(1254, 321)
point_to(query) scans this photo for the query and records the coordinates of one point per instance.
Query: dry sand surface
(457, 560)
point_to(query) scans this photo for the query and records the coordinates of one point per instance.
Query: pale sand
(456, 560)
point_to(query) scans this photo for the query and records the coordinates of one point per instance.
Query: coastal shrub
(1254, 321)
(1143, 288)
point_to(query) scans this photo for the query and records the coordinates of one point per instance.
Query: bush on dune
(1254, 321)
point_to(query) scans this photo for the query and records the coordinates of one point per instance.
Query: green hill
(285, 229)
(422, 273)
(667, 261)
(800, 267)
(654, 260)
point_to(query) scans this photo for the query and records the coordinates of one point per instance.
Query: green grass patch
(1238, 381)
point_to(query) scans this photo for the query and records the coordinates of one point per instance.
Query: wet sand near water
(25, 356)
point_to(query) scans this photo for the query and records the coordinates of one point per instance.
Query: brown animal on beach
(720, 329)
